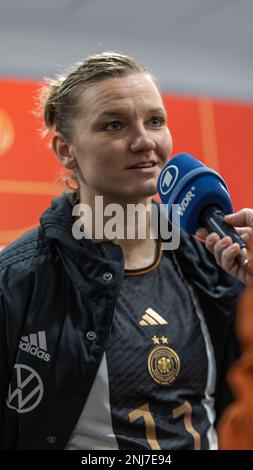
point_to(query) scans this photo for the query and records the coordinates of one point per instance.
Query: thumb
(242, 218)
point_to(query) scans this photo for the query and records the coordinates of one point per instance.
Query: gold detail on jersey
(185, 410)
(144, 412)
(151, 317)
(163, 365)
(163, 339)
(155, 340)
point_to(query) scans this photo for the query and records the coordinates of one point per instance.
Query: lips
(145, 164)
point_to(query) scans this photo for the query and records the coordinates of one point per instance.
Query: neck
(138, 254)
(123, 223)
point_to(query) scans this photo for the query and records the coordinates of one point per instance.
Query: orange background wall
(217, 133)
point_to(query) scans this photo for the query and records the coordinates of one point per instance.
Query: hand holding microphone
(225, 251)
(202, 197)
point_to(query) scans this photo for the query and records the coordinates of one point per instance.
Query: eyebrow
(121, 112)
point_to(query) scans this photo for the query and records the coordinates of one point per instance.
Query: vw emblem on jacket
(26, 389)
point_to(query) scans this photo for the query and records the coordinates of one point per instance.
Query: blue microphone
(202, 197)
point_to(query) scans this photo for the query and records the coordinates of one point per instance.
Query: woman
(108, 342)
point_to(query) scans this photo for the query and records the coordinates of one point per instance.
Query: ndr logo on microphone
(168, 179)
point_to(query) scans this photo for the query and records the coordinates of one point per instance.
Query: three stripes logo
(36, 345)
(151, 317)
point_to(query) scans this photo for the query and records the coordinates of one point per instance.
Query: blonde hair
(59, 100)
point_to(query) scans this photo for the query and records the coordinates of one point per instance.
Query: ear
(64, 151)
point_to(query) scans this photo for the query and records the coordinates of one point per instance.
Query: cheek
(166, 144)
(108, 149)
(103, 161)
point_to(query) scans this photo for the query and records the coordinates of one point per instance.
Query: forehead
(137, 89)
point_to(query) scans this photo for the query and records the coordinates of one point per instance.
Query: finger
(219, 248)
(245, 237)
(228, 258)
(241, 218)
(211, 241)
(244, 232)
(202, 233)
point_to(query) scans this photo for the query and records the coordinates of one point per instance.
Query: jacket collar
(197, 264)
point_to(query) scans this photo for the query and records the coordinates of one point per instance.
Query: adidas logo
(35, 344)
(151, 317)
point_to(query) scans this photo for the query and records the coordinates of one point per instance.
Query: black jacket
(51, 282)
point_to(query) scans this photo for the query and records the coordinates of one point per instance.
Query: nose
(142, 142)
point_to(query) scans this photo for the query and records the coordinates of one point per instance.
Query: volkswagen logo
(26, 389)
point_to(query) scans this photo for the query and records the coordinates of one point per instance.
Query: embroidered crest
(163, 365)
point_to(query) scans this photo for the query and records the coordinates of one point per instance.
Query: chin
(143, 192)
(148, 189)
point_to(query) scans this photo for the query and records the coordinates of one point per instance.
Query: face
(121, 140)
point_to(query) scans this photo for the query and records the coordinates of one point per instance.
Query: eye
(113, 126)
(156, 121)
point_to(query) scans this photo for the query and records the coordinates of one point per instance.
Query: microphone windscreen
(193, 186)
